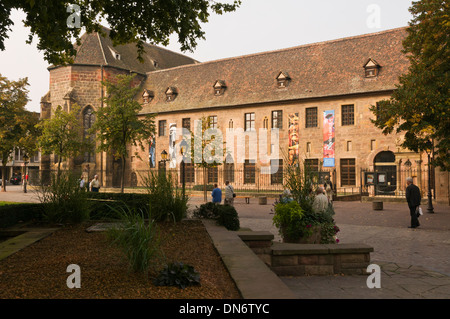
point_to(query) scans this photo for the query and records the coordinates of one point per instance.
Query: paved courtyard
(415, 263)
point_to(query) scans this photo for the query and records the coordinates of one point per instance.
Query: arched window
(88, 122)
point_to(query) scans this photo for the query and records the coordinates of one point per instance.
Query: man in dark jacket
(413, 198)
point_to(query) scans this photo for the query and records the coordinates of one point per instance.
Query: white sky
(257, 26)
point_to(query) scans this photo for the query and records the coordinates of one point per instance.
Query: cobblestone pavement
(415, 263)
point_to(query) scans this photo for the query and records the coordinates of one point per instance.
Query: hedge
(12, 214)
(105, 205)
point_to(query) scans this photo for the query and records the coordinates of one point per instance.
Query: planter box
(313, 239)
(296, 259)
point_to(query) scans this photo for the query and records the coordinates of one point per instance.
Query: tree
(420, 104)
(207, 150)
(55, 22)
(15, 121)
(118, 124)
(60, 135)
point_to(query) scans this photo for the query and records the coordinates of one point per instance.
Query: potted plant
(295, 224)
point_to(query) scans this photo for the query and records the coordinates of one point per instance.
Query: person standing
(82, 183)
(216, 195)
(413, 198)
(321, 202)
(229, 194)
(95, 184)
(328, 186)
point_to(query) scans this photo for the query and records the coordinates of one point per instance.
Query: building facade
(309, 102)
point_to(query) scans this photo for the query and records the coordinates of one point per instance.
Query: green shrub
(225, 215)
(290, 221)
(179, 275)
(12, 214)
(209, 187)
(208, 210)
(166, 199)
(228, 217)
(106, 205)
(138, 238)
(65, 201)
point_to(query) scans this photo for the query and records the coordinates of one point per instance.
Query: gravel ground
(39, 270)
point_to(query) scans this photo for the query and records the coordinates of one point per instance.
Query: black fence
(390, 181)
(251, 179)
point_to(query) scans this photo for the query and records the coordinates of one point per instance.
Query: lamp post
(430, 208)
(25, 180)
(183, 169)
(164, 157)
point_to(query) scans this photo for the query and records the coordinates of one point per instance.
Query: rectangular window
(349, 146)
(348, 172)
(249, 121)
(311, 117)
(312, 164)
(213, 174)
(277, 119)
(249, 172)
(189, 172)
(276, 170)
(213, 121)
(228, 172)
(372, 145)
(186, 123)
(162, 127)
(348, 114)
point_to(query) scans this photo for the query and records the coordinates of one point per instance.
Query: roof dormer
(371, 68)
(115, 54)
(283, 79)
(148, 96)
(219, 87)
(171, 93)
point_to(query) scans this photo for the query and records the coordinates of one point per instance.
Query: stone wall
(308, 259)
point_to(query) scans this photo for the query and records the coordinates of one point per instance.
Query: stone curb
(259, 282)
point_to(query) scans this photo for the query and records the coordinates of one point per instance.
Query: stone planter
(313, 239)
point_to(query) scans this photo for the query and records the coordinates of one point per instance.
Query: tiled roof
(98, 50)
(316, 70)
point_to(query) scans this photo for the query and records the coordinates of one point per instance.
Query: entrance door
(384, 164)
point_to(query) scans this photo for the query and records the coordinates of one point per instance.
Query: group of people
(322, 199)
(216, 194)
(93, 186)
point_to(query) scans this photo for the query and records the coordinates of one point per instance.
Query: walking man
(229, 194)
(413, 198)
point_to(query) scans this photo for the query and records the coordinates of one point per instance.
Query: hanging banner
(328, 139)
(293, 138)
(172, 148)
(152, 152)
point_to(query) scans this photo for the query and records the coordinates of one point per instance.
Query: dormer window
(283, 79)
(148, 96)
(115, 54)
(171, 94)
(219, 87)
(371, 68)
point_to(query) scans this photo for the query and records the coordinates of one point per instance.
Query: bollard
(262, 200)
(377, 205)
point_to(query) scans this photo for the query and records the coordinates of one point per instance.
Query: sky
(257, 26)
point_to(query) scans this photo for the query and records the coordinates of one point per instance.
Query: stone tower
(98, 59)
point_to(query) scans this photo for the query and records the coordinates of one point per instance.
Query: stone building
(97, 60)
(295, 90)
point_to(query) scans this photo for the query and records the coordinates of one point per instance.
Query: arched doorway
(384, 166)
